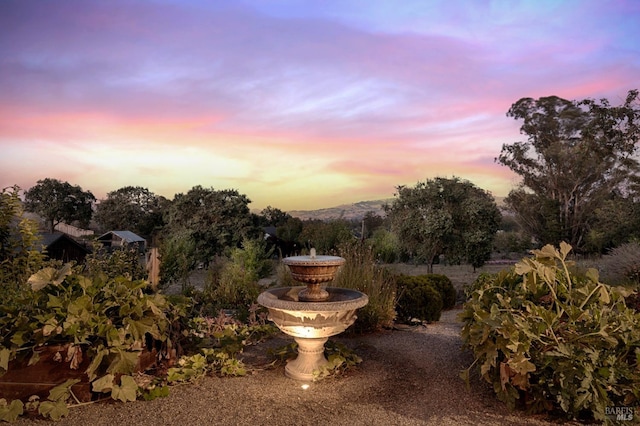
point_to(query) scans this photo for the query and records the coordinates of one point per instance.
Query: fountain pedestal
(310, 357)
(311, 314)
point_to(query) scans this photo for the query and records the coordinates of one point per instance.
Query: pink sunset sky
(297, 104)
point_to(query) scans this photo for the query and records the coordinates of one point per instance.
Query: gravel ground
(407, 377)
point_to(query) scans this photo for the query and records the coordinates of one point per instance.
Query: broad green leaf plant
(111, 321)
(551, 339)
(106, 320)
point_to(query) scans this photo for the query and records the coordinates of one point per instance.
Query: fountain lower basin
(311, 323)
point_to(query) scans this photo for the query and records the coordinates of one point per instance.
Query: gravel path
(407, 377)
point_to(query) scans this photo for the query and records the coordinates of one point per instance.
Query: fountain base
(311, 323)
(310, 358)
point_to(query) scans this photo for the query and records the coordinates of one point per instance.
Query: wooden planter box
(22, 380)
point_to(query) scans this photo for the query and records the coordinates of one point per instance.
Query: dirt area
(407, 377)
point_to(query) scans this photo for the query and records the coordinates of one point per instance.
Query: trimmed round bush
(418, 299)
(443, 284)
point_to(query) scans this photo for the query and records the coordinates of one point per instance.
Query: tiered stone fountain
(311, 313)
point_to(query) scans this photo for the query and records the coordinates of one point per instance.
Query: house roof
(127, 236)
(48, 239)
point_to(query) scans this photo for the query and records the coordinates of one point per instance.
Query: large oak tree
(131, 208)
(211, 220)
(59, 202)
(576, 155)
(445, 216)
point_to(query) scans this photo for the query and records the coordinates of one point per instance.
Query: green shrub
(385, 246)
(20, 254)
(443, 284)
(121, 262)
(107, 320)
(551, 339)
(234, 284)
(361, 273)
(418, 299)
(177, 252)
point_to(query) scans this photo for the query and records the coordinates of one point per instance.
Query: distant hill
(355, 211)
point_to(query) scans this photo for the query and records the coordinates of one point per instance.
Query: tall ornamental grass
(360, 272)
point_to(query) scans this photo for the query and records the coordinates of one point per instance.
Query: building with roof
(122, 239)
(62, 247)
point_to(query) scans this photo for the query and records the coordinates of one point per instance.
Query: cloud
(275, 97)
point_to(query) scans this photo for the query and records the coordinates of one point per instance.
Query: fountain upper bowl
(313, 269)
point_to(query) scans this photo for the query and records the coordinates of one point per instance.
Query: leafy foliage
(386, 246)
(577, 154)
(271, 216)
(340, 359)
(550, 339)
(614, 223)
(178, 253)
(445, 216)
(58, 202)
(54, 407)
(19, 244)
(113, 263)
(234, 285)
(106, 320)
(219, 341)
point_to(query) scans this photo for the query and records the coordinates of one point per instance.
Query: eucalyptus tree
(445, 216)
(57, 202)
(577, 154)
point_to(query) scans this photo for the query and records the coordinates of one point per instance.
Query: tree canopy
(212, 220)
(577, 154)
(272, 216)
(59, 202)
(131, 208)
(445, 216)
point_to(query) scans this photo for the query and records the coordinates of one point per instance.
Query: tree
(274, 217)
(325, 237)
(211, 220)
(371, 222)
(576, 155)
(615, 222)
(59, 202)
(131, 208)
(445, 216)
